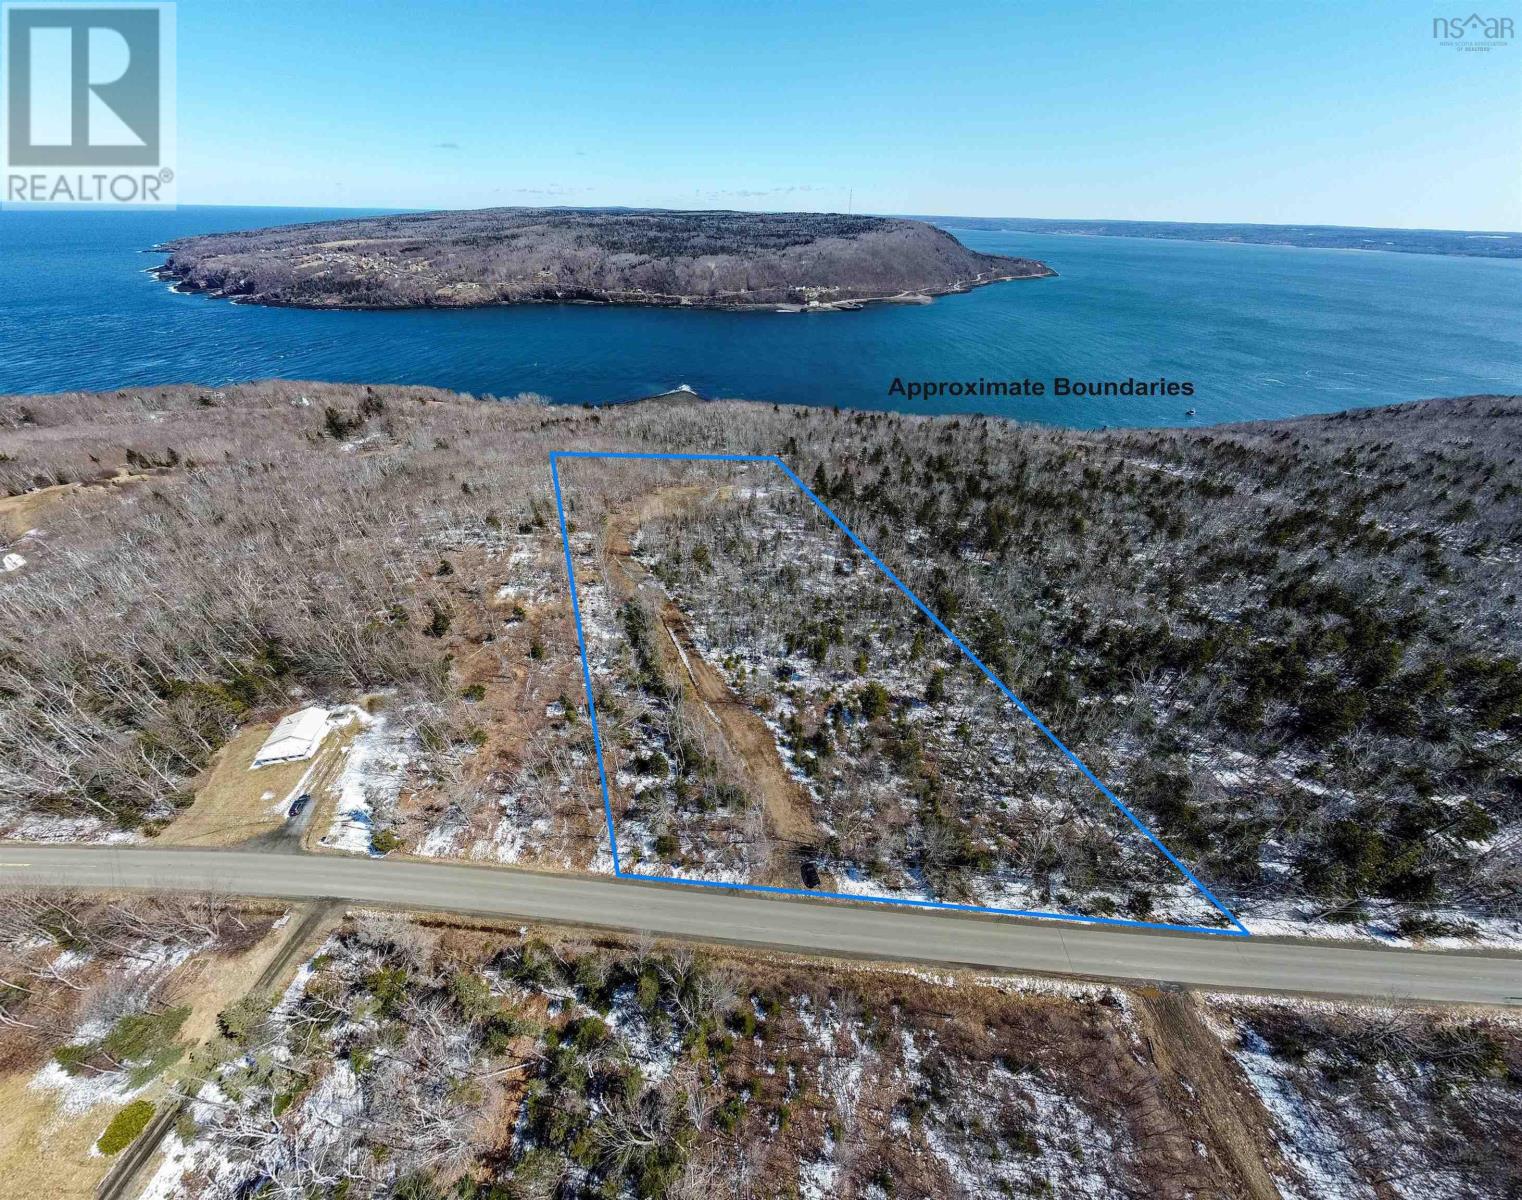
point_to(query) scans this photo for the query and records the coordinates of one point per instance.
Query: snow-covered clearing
(373, 772)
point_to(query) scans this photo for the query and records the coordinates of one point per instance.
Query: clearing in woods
(624, 605)
(236, 804)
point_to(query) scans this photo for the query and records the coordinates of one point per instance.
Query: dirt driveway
(788, 814)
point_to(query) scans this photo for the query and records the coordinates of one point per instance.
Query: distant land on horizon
(1452, 242)
(660, 257)
(1462, 243)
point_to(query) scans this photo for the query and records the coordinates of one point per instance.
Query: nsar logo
(1473, 32)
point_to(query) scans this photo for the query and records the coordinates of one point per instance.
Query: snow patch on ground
(201, 1160)
(1062, 1141)
(17, 826)
(374, 767)
(441, 840)
(509, 842)
(1316, 1153)
(816, 1180)
(178, 1161)
(840, 1068)
(1269, 918)
(655, 1058)
(336, 1101)
(80, 1093)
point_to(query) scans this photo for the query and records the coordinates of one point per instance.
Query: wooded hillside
(1290, 646)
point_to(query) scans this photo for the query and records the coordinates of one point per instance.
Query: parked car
(299, 803)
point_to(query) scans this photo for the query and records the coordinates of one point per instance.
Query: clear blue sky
(1275, 111)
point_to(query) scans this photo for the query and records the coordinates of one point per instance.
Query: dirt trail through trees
(1183, 1048)
(788, 815)
(19, 514)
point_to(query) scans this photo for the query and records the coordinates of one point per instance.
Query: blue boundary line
(1238, 930)
(586, 667)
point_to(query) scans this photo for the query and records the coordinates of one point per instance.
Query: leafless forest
(69, 962)
(425, 1061)
(1291, 647)
(1383, 1101)
(912, 774)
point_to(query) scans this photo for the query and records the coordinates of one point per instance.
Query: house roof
(295, 736)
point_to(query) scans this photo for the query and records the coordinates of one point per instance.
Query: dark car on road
(299, 803)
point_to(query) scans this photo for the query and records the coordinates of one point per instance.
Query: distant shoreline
(1433, 243)
(1204, 241)
(1116, 310)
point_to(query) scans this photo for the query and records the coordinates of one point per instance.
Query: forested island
(798, 261)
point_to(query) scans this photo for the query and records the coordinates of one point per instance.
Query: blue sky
(1273, 111)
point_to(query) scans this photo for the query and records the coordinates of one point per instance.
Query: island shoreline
(181, 286)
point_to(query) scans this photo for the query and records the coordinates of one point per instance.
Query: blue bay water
(1261, 331)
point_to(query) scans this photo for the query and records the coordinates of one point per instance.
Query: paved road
(803, 925)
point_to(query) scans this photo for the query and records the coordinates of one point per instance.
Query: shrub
(419, 1185)
(1424, 925)
(72, 1057)
(647, 991)
(654, 763)
(385, 841)
(499, 1032)
(438, 624)
(589, 1033)
(874, 701)
(125, 1127)
(185, 1126)
(1331, 710)
(743, 1021)
(473, 995)
(340, 424)
(728, 1114)
(143, 1042)
(389, 987)
(239, 1019)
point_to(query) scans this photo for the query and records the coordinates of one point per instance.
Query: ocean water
(1260, 331)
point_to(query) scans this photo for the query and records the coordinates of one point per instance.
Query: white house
(297, 736)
